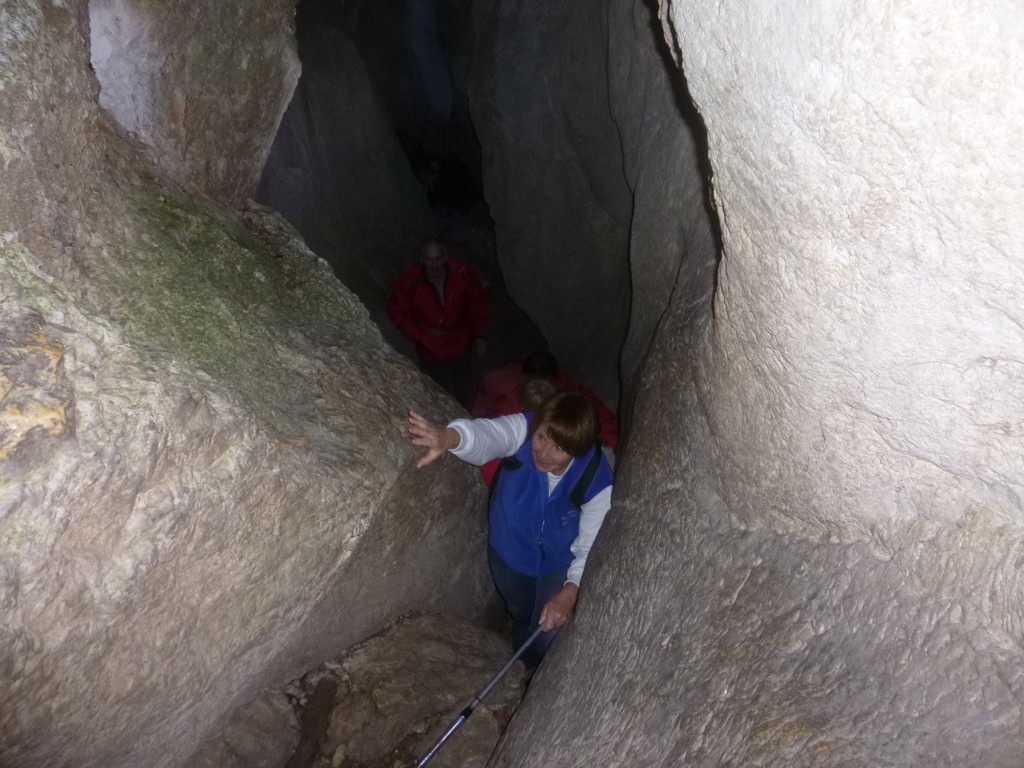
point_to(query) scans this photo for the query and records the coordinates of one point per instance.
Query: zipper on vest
(540, 541)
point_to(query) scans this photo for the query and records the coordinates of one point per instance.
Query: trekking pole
(464, 714)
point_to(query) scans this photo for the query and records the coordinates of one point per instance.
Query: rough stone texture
(203, 85)
(709, 645)
(813, 557)
(397, 693)
(866, 368)
(344, 183)
(204, 486)
(262, 734)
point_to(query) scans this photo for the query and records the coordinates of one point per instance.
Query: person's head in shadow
(540, 365)
(534, 392)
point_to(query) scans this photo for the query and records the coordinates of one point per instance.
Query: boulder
(261, 734)
(201, 85)
(206, 489)
(391, 698)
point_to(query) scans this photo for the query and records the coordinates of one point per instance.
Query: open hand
(435, 438)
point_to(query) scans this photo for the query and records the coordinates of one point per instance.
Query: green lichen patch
(19, 25)
(196, 281)
(10, 148)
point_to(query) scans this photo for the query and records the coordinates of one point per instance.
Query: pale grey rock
(202, 85)
(592, 170)
(205, 487)
(866, 362)
(812, 558)
(708, 644)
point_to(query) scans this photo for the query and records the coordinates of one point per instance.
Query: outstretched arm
(435, 438)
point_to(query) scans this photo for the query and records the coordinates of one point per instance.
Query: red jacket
(441, 333)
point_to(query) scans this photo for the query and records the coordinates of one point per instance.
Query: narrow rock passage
(364, 191)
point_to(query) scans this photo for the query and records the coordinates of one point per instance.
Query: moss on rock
(215, 293)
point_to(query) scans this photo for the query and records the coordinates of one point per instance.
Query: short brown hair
(571, 422)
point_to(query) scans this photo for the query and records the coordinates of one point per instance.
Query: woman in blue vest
(550, 498)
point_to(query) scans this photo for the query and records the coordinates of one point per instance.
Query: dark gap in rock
(695, 122)
(364, 176)
(376, 152)
(313, 719)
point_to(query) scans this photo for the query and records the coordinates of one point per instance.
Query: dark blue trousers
(524, 598)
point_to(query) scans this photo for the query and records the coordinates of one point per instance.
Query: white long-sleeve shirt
(484, 439)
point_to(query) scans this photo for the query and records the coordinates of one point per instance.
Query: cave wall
(204, 485)
(553, 177)
(812, 553)
(591, 170)
(202, 85)
(337, 170)
(882, 345)
(673, 232)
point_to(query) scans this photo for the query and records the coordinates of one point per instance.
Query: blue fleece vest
(531, 531)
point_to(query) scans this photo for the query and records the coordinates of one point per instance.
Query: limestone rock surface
(205, 488)
(673, 238)
(865, 370)
(202, 85)
(812, 557)
(337, 172)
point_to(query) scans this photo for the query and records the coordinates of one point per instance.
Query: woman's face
(546, 455)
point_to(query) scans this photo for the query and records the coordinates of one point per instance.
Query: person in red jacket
(441, 306)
